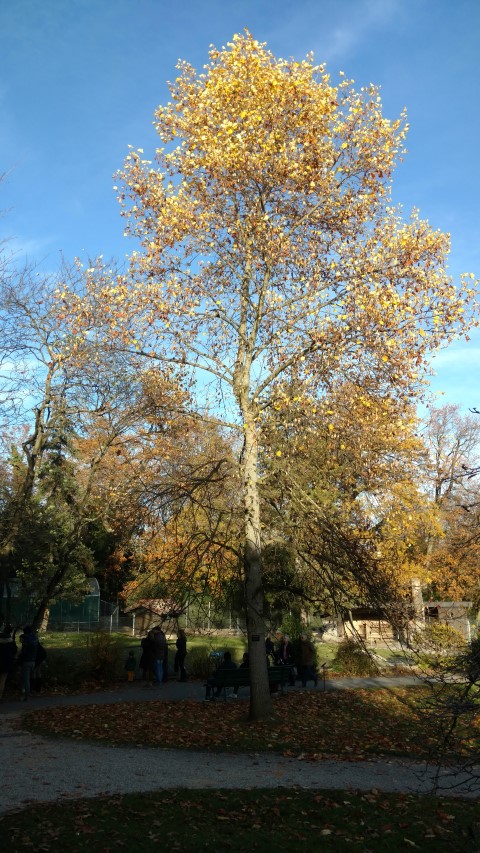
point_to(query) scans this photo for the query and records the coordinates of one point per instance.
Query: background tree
(76, 453)
(188, 548)
(343, 486)
(271, 257)
(453, 555)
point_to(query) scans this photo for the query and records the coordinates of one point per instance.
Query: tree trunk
(42, 610)
(44, 624)
(45, 601)
(260, 698)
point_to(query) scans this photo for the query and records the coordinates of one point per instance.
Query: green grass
(76, 643)
(69, 665)
(327, 652)
(285, 820)
(236, 645)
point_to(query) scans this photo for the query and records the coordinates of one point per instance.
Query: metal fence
(104, 623)
(126, 624)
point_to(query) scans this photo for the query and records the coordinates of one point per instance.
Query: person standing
(307, 661)
(269, 650)
(165, 659)
(181, 644)
(130, 666)
(8, 653)
(245, 664)
(147, 659)
(286, 656)
(160, 651)
(40, 658)
(27, 659)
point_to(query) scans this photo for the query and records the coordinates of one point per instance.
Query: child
(130, 665)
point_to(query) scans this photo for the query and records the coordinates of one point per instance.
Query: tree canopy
(271, 260)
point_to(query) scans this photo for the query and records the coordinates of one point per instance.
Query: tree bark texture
(260, 698)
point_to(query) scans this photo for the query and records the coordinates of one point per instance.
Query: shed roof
(157, 606)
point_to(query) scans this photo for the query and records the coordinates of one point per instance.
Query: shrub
(467, 662)
(352, 659)
(199, 663)
(293, 626)
(61, 671)
(472, 661)
(439, 639)
(437, 645)
(103, 654)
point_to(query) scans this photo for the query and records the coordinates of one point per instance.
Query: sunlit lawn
(79, 641)
(74, 646)
(69, 667)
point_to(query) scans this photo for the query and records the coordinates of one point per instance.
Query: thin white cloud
(333, 30)
(341, 41)
(457, 357)
(23, 248)
(369, 16)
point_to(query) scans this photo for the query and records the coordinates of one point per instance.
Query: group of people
(154, 657)
(300, 657)
(30, 659)
(227, 663)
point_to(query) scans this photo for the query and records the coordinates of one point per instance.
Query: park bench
(278, 676)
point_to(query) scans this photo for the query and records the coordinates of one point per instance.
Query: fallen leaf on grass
(311, 726)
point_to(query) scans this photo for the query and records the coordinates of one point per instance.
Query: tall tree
(271, 257)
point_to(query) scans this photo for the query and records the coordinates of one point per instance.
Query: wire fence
(129, 624)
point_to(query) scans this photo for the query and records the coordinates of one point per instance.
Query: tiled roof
(157, 606)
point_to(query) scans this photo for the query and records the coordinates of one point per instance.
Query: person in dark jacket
(245, 664)
(165, 660)
(161, 652)
(286, 656)
(181, 644)
(130, 666)
(307, 661)
(27, 658)
(8, 653)
(227, 663)
(147, 659)
(40, 658)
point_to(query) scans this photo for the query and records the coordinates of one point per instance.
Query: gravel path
(45, 770)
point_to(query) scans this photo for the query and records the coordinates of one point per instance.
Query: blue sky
(79, 81)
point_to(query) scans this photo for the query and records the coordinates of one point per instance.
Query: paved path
(45, 770)
(176, 691)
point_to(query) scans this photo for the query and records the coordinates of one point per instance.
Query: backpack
(41, 655)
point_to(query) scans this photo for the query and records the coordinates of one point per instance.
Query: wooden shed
(368, 623)
(150, 612)
(453, 613)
